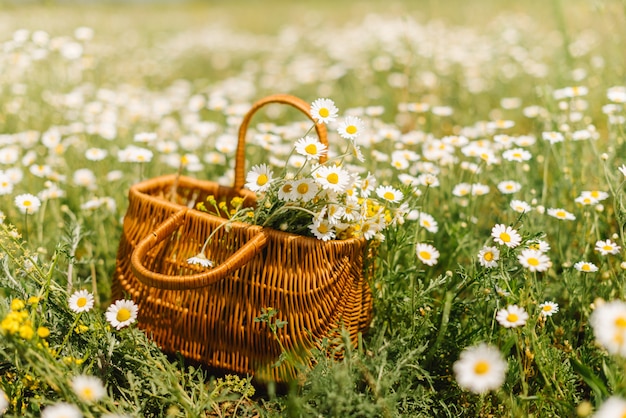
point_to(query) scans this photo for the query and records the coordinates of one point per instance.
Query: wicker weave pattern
(208, 314)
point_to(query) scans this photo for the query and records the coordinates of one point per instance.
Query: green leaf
(590, 378)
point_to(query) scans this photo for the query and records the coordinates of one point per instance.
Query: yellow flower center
(488, 256)
(351, 129)
(560, 214)
(81, 301)
(585, 267)
(505, 237)
(607, 248)
(389, 196)
(27, 203)
(262, 179)
(512, 317)
(333, 178)
(533, 261)
(87, 394)
(123, 315)
(595, 194)
(322, 228)
(425, 255)
(303, 188)
(481, 367)
(620, 322)
(311, 149)
(287, 188)
(323, 112)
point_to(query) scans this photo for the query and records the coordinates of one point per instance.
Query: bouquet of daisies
(324, 197)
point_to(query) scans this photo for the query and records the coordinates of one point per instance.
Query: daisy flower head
(389, 194)
(538, 244)
(509, 186)
(518, 155)
(553, 137)
(427, 254)
(351, 127)
(561, 214)
(61, 410)
(606, 247)
(613, 407)
(121, 313)
(367, 185)
(520, 206)
(27, 203)
(548, 308)
(322, 229)
(201, 260)
(586, 267)
(427, 222)
(310, 147)
(488, 257)
(333, 178)
(534, 260)
(505, 235)
(608, 321)
(512, 316)
(480, 368)
(6, 186)
(259, 179)
(286, 191)
(81, 301)
(88, 388)
(599, 195)
(305, 189)
(324, 110)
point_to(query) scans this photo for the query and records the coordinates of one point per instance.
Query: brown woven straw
(208, 314)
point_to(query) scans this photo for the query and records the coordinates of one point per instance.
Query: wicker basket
(208, 314)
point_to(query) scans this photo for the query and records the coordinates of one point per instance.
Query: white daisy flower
(586, 267)
(322, 230)
(259, 178)
(367, 185)
(608, 321)
(540, 245)
(599, 195)
(613, 407)
(561, 214)
(305, 189)
(286, 191)
(505, 235)
(488, 257)
(6, 186)
(88, 388)
(201, 260)
(332, 178)
(121, 313)
(427, 222)
(462, 189)
(351, 127)
(607, 247)
(509, 186)
(586, 200)
(480, 369)
(324, 110)
(517, 154)
(553, 137)
(81, 301)
(427, 254)
(310, 147)
(27, 203)
(520, 206)
(548, 308)
(512, 316)
(534, 260)
(61, 410)
(389, 194)
(96, 154)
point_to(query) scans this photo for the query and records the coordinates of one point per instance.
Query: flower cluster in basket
(325, 197)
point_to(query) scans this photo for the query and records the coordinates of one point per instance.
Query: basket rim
(139, 191)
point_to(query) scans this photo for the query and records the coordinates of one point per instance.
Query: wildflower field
(478, 147)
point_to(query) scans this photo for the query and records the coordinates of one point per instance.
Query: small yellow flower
(17, 305)
(26, 331)
(80, 329)
(43, 332)
(33, 300)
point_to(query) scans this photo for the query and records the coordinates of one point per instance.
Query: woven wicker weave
(208, 314)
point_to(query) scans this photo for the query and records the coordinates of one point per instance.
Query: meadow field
(478, 146)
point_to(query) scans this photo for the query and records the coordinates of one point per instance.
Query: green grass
(147, 63)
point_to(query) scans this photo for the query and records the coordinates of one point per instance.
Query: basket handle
(194, 281)
(304, 107)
